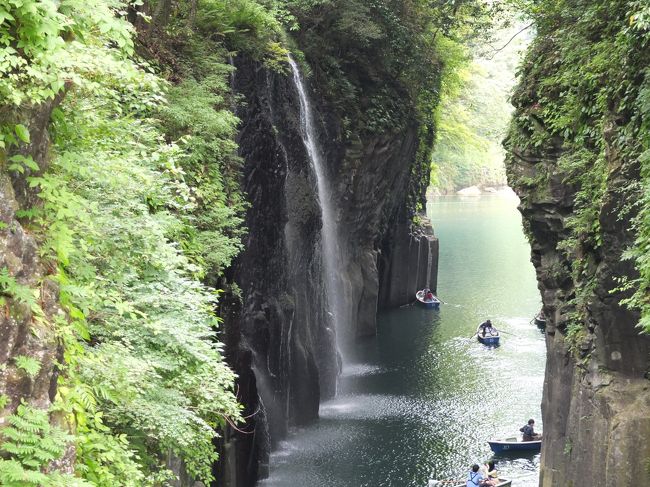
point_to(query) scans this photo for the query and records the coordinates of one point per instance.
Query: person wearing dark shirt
(485, 327)
(529, 431)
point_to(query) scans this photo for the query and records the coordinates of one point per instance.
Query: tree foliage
(474, 114)
(377, 59)
(139, 202)
(586, 96)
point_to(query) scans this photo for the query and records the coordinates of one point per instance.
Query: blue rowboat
(427, 303)
(488, 337)
(512, 445)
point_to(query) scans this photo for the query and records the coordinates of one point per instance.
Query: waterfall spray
(329, 231)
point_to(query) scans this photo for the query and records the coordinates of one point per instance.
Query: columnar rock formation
(282, 341)
(409, 264)
(596, 391)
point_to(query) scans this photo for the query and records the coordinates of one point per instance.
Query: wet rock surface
(408, 265)
(280, 336)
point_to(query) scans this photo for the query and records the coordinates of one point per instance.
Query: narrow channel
(424, 395)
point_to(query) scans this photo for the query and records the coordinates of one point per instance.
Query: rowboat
(433, 303)
(490, 337)
(540, 319)
(512, 445)
(463, 483)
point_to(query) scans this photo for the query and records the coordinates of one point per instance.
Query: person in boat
(427, 295)
(491, 475)
(475, 478)
(529, 431)
(486, 327)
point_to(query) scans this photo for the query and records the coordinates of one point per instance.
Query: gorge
(288, 325)
(209, 208)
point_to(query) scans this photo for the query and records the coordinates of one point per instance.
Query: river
(424, 395)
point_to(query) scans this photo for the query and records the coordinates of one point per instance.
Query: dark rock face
(22, 332)
(400, 282)
(596, 401)
(282, 340)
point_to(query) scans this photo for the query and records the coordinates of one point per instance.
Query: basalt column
(286, 334)
(279, 339)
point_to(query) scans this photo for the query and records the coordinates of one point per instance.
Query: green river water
(423, 396)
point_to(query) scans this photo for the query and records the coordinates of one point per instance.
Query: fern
(30, 365)
(132, 223)
(29, 444)
(23, 294)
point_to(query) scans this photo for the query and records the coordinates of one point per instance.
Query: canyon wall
(27, 332)
(574, 160)
(283, 337)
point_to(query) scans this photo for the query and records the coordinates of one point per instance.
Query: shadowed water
(424, 395)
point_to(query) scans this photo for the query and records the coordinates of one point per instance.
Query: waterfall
(329, 230)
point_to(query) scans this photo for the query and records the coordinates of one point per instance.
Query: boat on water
(462, 483)
(431, 302)
(487, 336)
(513, 445)
(540, 319)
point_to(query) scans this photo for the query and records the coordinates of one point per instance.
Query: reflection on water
(424, 395)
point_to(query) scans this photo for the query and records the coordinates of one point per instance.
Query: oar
(508, 333)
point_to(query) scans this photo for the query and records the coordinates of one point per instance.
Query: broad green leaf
(22, 132)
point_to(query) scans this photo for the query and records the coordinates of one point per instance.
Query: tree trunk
(163, 12)
(192, 15)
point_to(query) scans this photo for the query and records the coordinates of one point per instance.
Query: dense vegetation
(137, 207)
(139, 203)
(589, 103)
(474, 114)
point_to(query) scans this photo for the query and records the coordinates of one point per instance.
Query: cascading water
(329, 231)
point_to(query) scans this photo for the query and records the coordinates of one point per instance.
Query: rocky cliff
(283, 339)
(30, 300)
(575, 162)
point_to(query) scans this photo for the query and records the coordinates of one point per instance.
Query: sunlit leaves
(115, 194)
(47, 43)
(22, 132)
(30, 443)
(119, 215)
